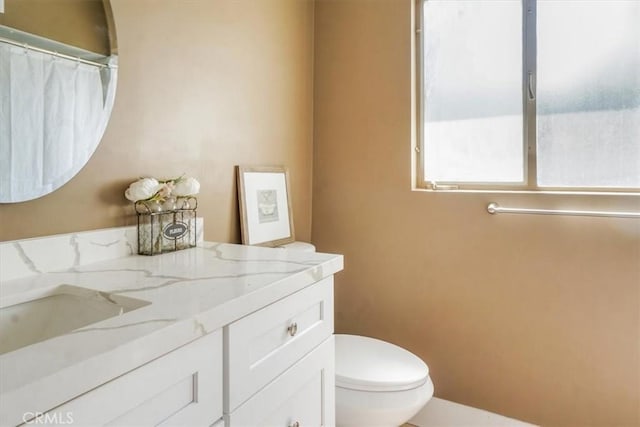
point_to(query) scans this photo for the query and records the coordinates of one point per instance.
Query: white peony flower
(142, 189)
(186, 187)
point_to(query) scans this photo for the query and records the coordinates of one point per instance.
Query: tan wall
(532, 317)
(80, 23)
(203, 85)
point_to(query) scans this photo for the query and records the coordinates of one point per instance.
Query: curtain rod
(494, 208)
(56, 54)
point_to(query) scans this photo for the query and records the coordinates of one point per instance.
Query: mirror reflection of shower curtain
(53, 112)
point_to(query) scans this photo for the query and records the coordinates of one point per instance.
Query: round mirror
(58, 75)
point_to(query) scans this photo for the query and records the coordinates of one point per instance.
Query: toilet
(378, 384)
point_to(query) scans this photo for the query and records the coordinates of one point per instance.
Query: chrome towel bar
(494, 208)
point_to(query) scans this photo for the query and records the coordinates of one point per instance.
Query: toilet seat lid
(369, 364)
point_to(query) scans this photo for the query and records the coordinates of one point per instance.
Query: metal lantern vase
(166, 226)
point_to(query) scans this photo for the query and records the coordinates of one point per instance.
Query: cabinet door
(260, 346)
(303, 396)
(181, 388)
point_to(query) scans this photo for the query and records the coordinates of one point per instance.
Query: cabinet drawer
(262, 345)
(183, 387)
(304, 394)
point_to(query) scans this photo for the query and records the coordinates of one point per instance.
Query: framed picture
(265, 205)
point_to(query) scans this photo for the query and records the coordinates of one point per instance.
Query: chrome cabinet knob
(293, 330)
(296, 424)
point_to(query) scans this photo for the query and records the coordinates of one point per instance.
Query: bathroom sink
(60, 311)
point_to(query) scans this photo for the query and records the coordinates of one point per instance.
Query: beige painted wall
(536, 318)
(203, 85)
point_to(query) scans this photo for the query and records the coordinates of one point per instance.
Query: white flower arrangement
(153, 190)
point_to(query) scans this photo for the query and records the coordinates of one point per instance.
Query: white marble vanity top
(192, 292)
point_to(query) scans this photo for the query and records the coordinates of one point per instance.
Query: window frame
(529, 131)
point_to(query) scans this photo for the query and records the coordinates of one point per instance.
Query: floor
(443, 413)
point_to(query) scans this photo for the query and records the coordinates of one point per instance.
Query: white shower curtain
(53, 112)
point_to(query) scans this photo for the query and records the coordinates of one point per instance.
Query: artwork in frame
(265, 205)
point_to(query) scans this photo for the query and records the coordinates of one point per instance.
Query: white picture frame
(264, 200)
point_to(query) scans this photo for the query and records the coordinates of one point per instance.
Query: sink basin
(58, 312)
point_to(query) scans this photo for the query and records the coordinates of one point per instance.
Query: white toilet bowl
(378, 383)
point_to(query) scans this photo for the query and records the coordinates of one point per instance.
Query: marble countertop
(192, 292)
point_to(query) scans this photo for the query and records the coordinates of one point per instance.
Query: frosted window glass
(588, 101)
(473, 91)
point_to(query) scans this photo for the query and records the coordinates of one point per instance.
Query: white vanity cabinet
(272, 367)
(231, 336)
(181, 388)
(279, 362)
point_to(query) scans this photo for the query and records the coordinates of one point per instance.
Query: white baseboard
(443, 413)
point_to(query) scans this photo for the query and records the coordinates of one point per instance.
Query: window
(526, 94)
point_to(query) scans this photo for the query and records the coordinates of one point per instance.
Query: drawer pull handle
(293, 330)
(296, 424)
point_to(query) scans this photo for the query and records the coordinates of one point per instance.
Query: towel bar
(494, 208)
